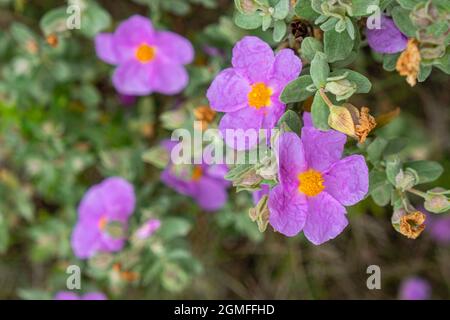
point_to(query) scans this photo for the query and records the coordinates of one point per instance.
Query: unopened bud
(406, 179)
(342, 89)
(436, 201)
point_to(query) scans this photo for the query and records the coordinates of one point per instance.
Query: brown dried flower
(52, 40)
(204, 114)
(408, 64)
(412, 224)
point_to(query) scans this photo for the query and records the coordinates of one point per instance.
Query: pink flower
(111, 201)
(315, 184)
(147, 60)
(249, 92)
(387, 39)
(415, 288)
(148, 228)
(68, 295)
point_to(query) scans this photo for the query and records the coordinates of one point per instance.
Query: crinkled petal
(288, 210)
(174, 47)
(167, 77)
(66, 295)
(322, 148)
(326, 218)
(273, 114)
(118, 197)
(253, 58)
(291, 159)
(133, 78)
(131, 33)
(240, 129)
(287, 66)
(211, 194)
(228, 92)
(387, 39)
(258, 194)
(94, 296)
(85, 240)
(348, 180)
(179, 184)
(104, 47)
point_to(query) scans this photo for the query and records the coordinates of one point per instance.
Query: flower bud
(342, 89)
(406, 179)
(260, 214)
(437, 202)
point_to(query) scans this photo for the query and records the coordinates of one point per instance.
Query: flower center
(102, 222)
(310, 183)
(145, 53)
(197, 173)
(259, 96)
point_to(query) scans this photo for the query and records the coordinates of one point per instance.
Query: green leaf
(54, 21)
(281, 9)
(94, 19)
(337, 45)
(296, 90)
(408, 4)
(375, 149)
(303, 9)
(292, 121)
(390, 61)
(266, 22)
(427, 171)
(310, 46)
(320, 113)
(247, 21)
(4, 234)
(395, 146)
(379, 188)
(319, 70)
(392, 170)
(363, 84)
(361, 8)
(403, 22)
(174, 227)
(279, 30)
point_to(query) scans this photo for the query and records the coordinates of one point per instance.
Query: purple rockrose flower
(147, 60)
(249, 92)
(148, 228)
(258, 194)
(415, 288)
(202, 182)
(438, 227)
(315, 184)
(387, 39)
(67, 295)
(110, 202)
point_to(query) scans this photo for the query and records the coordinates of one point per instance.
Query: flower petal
(104, 47)
(66, 295)
(253, 58)
(387, 39)
(131, 33)
(240, 129)
(174, 47)
(94, 296)
(168, 77)
(85, 240)
(211, 194)
(258, 194)
(180, 184)
(322, 148)
(287, 66)
(288, 210)
(228, 92)
(348, 180)
(118, 197)
(326, 218)
(291, 159)
(133, 78)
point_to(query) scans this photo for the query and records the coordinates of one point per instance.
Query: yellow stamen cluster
(145, 53)
(310, 183)
(102, 222)
(197, 173)
(259, 95)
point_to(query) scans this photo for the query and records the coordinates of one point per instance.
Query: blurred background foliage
(63, 128)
